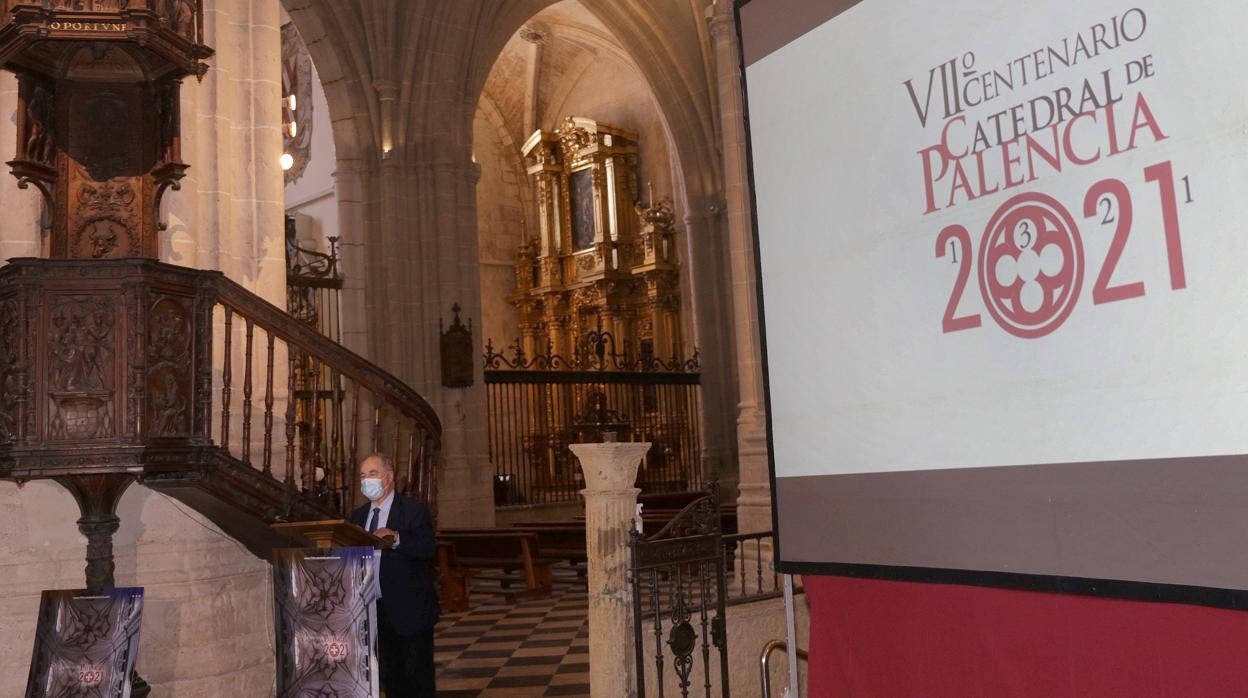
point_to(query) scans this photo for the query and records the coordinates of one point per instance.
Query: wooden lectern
(330, 533)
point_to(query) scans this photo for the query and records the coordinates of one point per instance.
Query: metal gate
(538, 405)
(678, 582)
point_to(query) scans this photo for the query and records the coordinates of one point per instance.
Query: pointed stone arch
(669, 44)
(402, 80)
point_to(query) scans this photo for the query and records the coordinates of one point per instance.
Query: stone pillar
(228, 214)
(21, 236)
(420, 263)
(754, 501)
(610, 470)
(714, 339)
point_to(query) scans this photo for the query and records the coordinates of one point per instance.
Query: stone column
(21, 236)
(754, 501)
(228, 214)
(420, 263)
(610, 470)
(714, 339)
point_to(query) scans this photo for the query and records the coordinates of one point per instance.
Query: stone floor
(535, 647)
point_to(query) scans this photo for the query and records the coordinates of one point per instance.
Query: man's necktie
(372, 523)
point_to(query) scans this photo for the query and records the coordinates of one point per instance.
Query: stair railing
(321, 407)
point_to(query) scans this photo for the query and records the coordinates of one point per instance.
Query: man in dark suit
(408, 607)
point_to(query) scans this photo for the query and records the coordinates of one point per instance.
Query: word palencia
(972, 161)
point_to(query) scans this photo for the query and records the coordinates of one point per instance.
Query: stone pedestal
(610, 503)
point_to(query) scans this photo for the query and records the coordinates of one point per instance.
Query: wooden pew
(564, 540)
(727, 517)
(669, 500)
(514, 557)
(453, 579)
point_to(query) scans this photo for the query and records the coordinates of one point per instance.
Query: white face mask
(371, 488)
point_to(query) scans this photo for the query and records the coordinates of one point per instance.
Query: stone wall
(19, 235)
(228, 214)
(504, 219)
(207, 619)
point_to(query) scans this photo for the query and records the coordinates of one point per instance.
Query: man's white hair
(386, 463)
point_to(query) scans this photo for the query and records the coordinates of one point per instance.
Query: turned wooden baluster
(413, 486)
(398, 428)
(268, 409)
(376, 425)
(290, 417)
(429, 482)
(247, 394)
(334, 463)
(355, 439)
(313, 460)
(418, 462)
(226, 376)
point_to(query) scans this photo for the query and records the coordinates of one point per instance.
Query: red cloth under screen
(883, 639)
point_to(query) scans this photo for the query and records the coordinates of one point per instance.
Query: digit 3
(1030, 265)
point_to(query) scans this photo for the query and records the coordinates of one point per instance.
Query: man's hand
(385, 533)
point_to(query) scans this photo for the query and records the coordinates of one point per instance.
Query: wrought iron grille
(540, 404)
(678, 582)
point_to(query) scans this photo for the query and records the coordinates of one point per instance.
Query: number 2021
(1099, 204)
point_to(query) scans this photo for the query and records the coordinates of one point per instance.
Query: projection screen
(1003, 276)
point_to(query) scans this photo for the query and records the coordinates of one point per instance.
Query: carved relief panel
(81, 374)
(169, 367)
(95, 355)
(12, 380)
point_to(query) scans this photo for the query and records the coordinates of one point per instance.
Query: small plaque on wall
(457, 352)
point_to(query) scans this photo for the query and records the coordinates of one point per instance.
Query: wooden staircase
(115, 371)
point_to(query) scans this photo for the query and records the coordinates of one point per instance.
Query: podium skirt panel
(326, 634)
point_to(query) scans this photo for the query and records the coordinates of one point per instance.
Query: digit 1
(949, 323)
(1187, 189)
(1163, 175)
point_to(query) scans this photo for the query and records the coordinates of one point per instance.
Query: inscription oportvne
(89, 26)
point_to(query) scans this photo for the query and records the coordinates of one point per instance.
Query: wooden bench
(564, 540)
(513, 556)
(669, 500)
(453, 579)
(727, 517)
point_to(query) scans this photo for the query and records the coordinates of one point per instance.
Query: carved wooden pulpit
(98, 124)
(91, 358)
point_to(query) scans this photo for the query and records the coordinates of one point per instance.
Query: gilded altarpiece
(602, 261)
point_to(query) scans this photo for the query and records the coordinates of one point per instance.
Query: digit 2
(950, 323)
(1102, 292)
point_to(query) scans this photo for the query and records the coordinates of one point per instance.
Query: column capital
(721, 19)
(609, 468)
(387, 90)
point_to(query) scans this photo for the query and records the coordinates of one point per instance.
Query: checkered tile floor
(536, 647)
